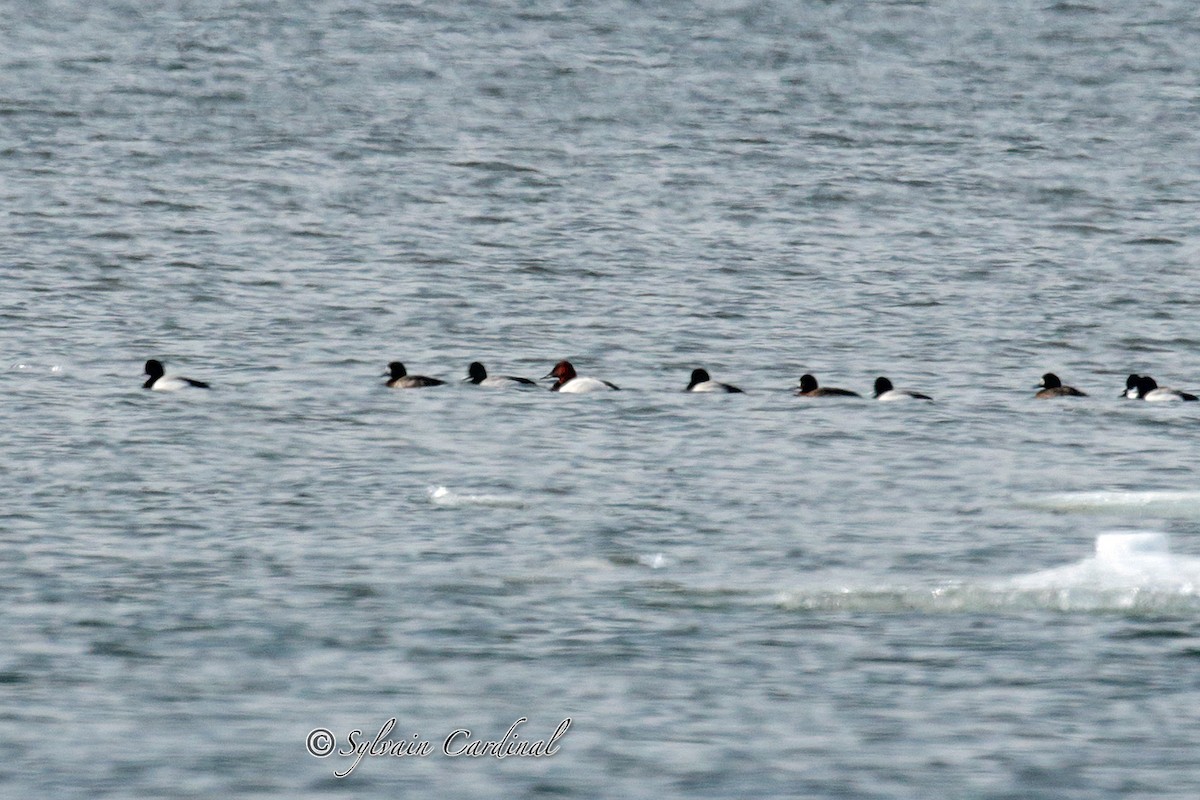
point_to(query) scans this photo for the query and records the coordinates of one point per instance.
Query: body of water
(728, 596)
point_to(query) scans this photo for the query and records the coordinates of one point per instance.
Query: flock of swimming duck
(1137, 387)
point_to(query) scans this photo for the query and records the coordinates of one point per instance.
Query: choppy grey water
(728, 596)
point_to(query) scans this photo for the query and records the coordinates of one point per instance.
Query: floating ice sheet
(1130, 571)
(1179, 504)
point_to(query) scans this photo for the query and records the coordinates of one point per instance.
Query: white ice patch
(1179, 504)
(1125, 564)
(24, 366)
(442, 496)
(653, 561)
